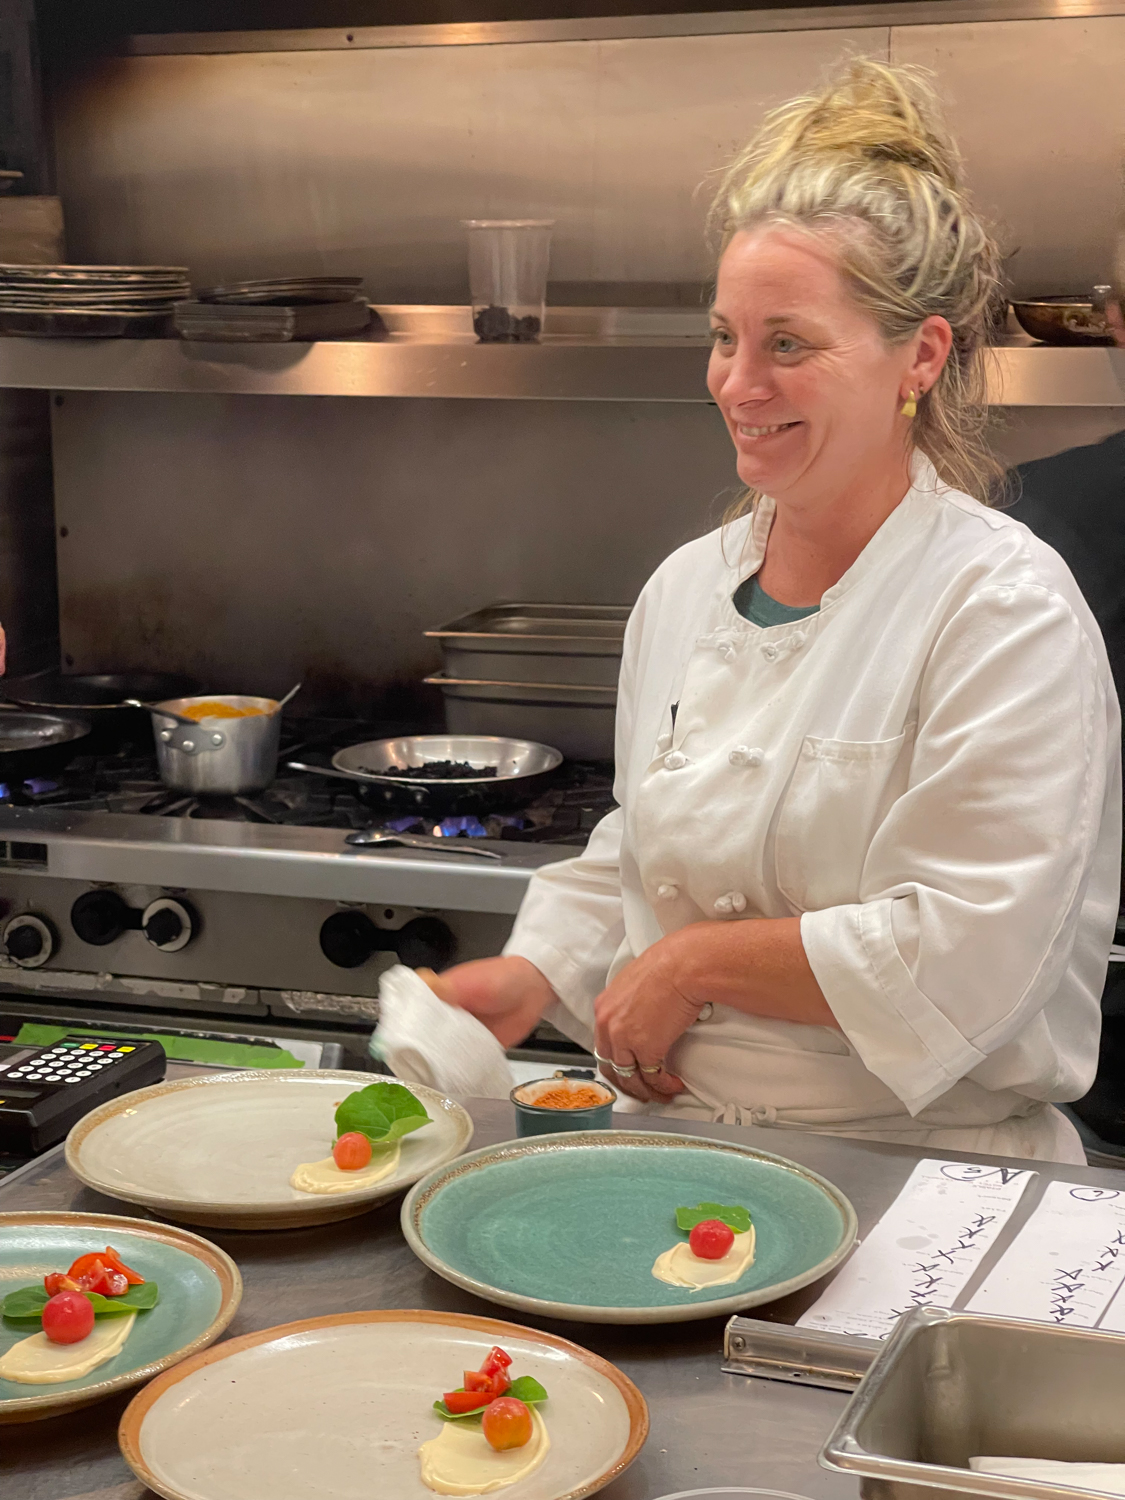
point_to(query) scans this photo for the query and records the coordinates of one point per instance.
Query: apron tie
(744, 1114)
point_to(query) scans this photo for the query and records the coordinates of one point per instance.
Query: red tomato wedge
(56, 1281)
(97, 1263)
(476, 1380)
(460, 1402)
(496, 1359)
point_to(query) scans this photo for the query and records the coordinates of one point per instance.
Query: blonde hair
(870, 161)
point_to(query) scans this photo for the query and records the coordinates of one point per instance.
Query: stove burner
(123, 780)
(459, 828)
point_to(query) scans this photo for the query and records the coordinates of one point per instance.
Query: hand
(639, 1016)
(509, 995)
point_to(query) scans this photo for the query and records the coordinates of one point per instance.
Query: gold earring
(910, 406)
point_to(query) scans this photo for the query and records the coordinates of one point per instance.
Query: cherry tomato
(113, 1283)
(459, 1402)
(352, 1151)
(495, 1359)
(506, 1424)
(711, 1240)
(68, 1317)
(58, 1282)
(477, 1380)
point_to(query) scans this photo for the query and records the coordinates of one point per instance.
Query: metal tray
(576, 718)
(949, 1386)
(563, 643)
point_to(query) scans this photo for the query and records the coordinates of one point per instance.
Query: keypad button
(70, 1080)
(127, 1049)
(34, 1078)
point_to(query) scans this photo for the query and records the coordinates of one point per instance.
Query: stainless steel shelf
(587, 354)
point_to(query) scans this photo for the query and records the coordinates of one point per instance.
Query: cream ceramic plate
(336, 1408)
(220, 1150)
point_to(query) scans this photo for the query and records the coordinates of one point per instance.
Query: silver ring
(625, 1071)
(659, 1067)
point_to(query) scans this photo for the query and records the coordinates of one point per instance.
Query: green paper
(381, 1112)
(524, 1388)
(181, 1048)
(734, 1216)
(26, 1303)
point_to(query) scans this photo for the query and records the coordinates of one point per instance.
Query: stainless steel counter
(707, 1428)
(588, 354)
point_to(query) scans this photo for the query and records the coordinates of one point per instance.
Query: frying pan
(523, 770)
(37, 744)
(101, 698)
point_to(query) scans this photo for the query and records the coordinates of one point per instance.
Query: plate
(569, 1226)
(335, 1409)
(220, 1150)
(200, 1290)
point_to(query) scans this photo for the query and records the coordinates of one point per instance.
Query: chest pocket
(840, 792)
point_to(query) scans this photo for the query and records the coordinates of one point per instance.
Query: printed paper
(1067, 1262)
(924, 1249)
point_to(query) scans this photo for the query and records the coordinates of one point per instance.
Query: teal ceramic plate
(200, 1289)
(569, 1226)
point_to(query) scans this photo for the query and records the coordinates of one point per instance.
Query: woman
(863, 877)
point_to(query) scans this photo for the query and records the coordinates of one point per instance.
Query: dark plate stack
(276, 311)
(90, 301)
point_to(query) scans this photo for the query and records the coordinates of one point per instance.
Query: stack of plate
(284, 291)
(90, 301)
(290, 307)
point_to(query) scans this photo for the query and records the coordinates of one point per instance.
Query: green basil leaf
(26, 1303)
(527, 1389)
(524, 1388)
(136, 1299)
(736, 1217)
(381, 1112)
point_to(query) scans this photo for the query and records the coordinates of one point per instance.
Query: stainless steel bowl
(218, 757)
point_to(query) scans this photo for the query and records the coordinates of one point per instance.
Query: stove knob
(169, 925)
(424, 943)
(29, 940)
(100, 917)
(348, 939)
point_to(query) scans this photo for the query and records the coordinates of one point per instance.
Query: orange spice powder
(583, 1098)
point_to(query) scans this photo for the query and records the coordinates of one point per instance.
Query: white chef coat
(926, 772)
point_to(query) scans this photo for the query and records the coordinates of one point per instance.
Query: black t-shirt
(1075, 501)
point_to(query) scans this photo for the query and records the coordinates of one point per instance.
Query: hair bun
(866, 111)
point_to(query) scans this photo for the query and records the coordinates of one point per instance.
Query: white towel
(423, 1040)
(1109, 1478)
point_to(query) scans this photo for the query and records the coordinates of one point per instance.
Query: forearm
(758, 967)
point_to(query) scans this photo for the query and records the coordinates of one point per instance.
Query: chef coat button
(667, 892)
(746, 755)
(664, 741)
(733, 901)
(675, 760)
(797, 642)
(706, 1011)
(770, 652)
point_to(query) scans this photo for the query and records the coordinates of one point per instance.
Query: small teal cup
(533, 1118)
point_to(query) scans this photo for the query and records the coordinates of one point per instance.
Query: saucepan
(443, 773)
(222, 745)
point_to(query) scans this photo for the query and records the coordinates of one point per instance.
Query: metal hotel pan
(951, 1386)
(579, 719)
(576, 644)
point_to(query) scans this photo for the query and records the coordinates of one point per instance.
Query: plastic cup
(508, 261)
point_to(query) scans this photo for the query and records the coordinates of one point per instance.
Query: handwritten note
(1067, 1262)
(923, 1250)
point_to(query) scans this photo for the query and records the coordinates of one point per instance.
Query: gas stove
(116, 891)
